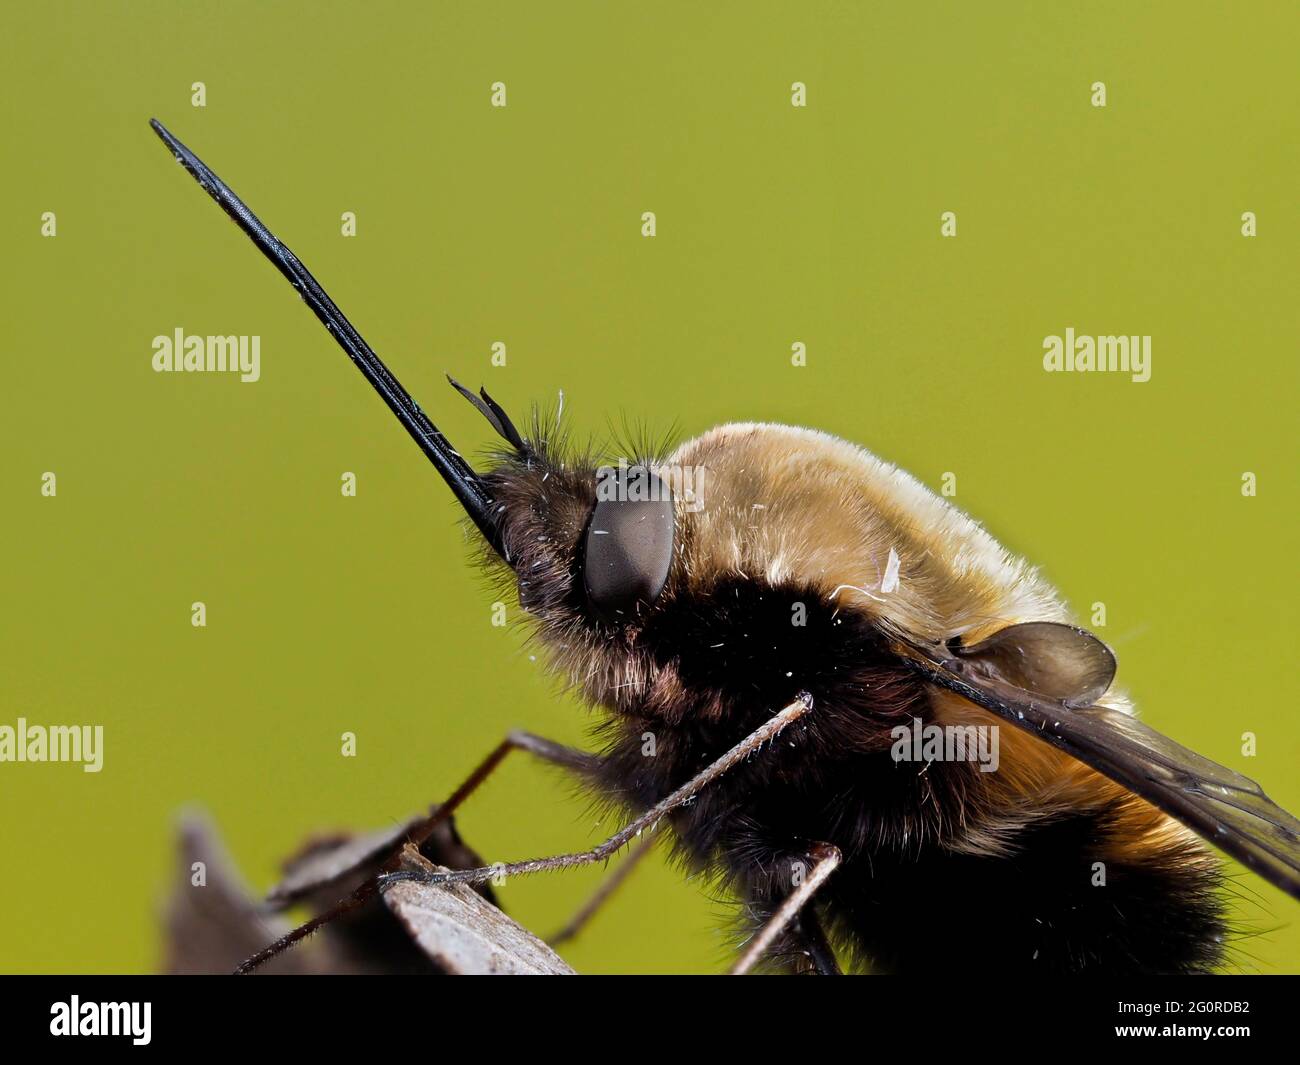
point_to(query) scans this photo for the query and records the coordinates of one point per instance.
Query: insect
(773, 637)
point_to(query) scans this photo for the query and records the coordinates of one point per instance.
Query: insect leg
(751, 743)
(826, 859)
(549, 751)
(810, 937)
(602, 894)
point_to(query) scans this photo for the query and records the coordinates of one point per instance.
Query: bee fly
(824, 597)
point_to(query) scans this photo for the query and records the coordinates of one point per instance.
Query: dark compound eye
(629, 543)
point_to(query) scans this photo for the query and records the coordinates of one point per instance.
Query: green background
(522, 224)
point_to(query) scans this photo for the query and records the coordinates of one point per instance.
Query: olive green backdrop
(776, 225)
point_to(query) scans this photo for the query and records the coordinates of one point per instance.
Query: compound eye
(629, 544)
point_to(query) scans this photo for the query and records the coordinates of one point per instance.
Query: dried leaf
(212, 927)
(416, 928)
(463, 933)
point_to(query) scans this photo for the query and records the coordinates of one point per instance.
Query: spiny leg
(826, 858)
(549, 751)
(682, 795)
(602, 894)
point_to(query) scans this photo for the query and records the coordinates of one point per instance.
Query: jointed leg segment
(569, 758)
(751, 743)
(602, 894)
(826, 859)
(549, 751)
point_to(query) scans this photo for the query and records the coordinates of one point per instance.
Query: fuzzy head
(709, 583)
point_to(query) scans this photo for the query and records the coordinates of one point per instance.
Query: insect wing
(1226, 808)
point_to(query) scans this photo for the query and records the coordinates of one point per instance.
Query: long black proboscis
(458, 474)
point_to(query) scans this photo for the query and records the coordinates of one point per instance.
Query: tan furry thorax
(783, 504)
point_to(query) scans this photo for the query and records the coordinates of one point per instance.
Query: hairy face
(590, 568)
(700, 585)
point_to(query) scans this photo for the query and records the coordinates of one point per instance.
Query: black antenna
(460, 477)
(497, 418)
